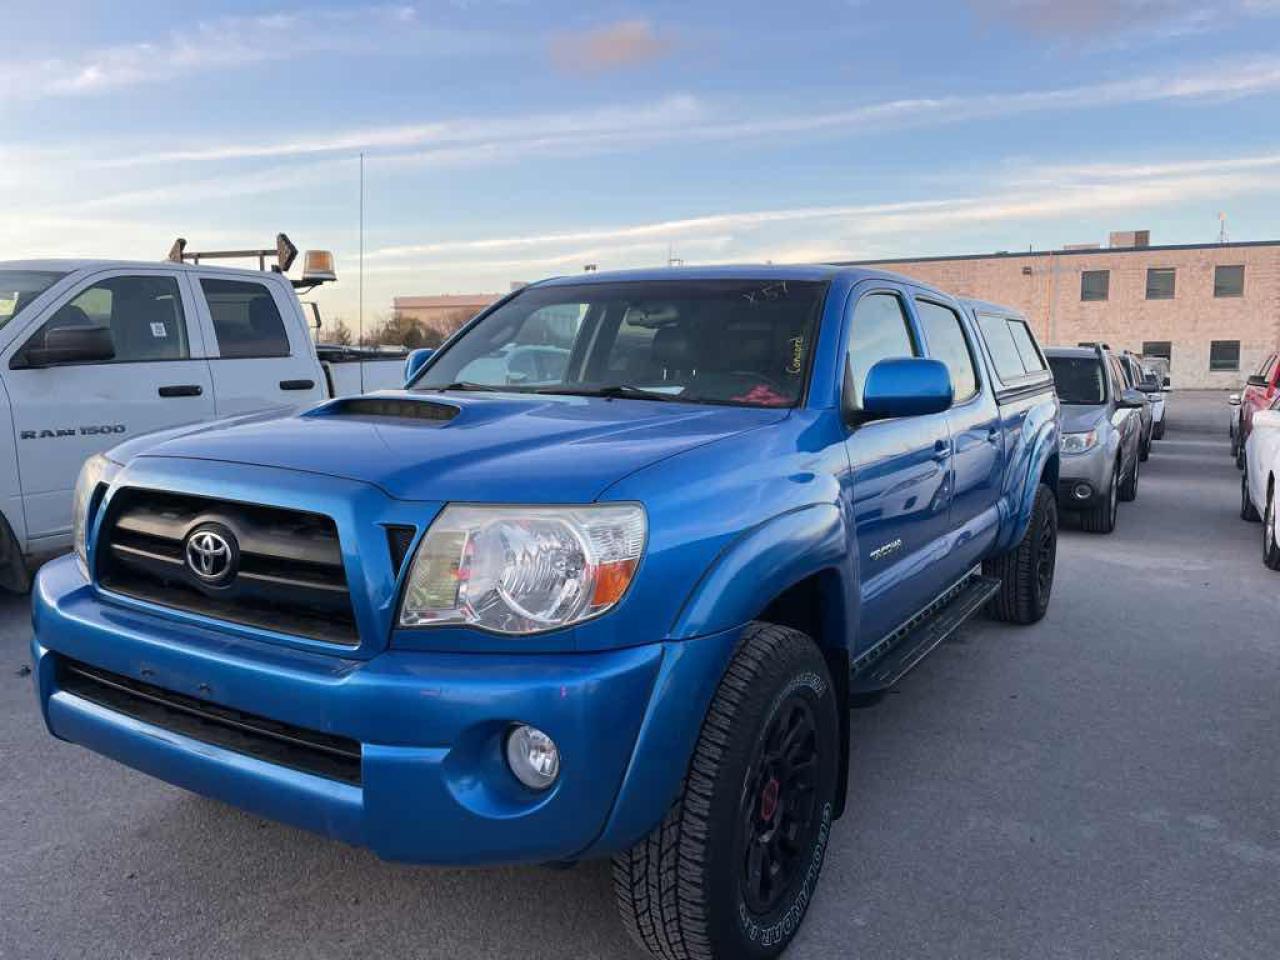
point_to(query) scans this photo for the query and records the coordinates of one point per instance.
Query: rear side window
(879, 332)
(245, 319)
(948, 343)
(1027, 349)
(998, 333)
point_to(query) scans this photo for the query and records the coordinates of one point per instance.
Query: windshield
(744, 342)
(19, 287)
(1078, 379)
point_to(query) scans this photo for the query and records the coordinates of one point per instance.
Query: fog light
(533, 757)
(1082, 491)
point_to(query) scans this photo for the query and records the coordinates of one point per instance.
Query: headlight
(97, 469)
(523, 569)
(1078, 442)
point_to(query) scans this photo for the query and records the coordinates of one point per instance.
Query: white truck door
(260, 351)
(64, 411)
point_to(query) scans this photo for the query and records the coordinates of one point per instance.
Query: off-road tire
(1102, 517)
(1247, 510)
(681, 891)
(1270, 547)
(1129, 488)
(1026, 571)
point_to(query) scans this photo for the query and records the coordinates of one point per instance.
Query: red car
(1260, 389)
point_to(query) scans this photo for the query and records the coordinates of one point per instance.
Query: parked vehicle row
(1259, 393)
(1259, 459)
(1112, 410)
(598, 587)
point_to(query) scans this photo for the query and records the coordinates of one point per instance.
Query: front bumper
(432, 784)
(1077, 471)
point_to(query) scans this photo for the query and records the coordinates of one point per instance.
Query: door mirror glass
(62, 345)
(906, 387)
(1257, 380)
(416, 360)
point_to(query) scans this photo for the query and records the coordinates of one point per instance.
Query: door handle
(181, 390)
(993, 435)
(941, 451)
(297, 384)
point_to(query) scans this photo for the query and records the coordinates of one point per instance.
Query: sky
(510, 141)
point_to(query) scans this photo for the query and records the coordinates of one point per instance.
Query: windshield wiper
(467, 385)
(623, 391)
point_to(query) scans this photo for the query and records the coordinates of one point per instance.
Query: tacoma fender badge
(886, 549)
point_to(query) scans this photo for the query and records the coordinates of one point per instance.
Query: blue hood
(471, 447)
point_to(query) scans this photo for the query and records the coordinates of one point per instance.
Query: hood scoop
(388, 408)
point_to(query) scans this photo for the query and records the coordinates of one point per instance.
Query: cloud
(687, 119)
(843, 230)
(1119, 23)
(622, 121)
(207, 45)
(627, 43)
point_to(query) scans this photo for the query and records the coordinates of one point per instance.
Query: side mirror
(1131, 400)
(1234, 400)
(63, 345)
(906, 387)
(414, 363)
(1257, 380)
(1167, 383)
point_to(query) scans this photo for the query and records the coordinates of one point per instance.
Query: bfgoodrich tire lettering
(683, 892)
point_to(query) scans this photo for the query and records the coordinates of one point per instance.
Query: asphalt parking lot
(1101, 785)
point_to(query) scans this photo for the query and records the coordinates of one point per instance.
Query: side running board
(891, 660)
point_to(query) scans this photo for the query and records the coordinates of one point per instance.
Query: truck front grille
(321, 754)
(283, 568)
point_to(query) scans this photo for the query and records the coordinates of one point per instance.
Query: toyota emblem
(212, 554)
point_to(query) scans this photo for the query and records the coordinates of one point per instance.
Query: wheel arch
(795, 570)
(816, 606)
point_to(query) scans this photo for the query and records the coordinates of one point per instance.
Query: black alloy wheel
(779, 805)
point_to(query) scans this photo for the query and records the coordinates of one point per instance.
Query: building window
(1095, 284)
(1158, 348)
(1228, 281)
(1224, 354)
(1160, 283)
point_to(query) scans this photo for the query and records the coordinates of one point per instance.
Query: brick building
(1212, 309)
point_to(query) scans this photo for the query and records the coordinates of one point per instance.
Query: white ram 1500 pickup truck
(93, 352)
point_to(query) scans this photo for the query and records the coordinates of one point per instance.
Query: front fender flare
(763, 562)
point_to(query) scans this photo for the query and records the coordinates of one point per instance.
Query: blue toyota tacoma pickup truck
(612, 600)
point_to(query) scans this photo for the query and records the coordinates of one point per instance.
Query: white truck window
(246, 319)
(144, 315)
(19, 287)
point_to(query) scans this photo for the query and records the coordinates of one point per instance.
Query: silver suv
(1102, 429)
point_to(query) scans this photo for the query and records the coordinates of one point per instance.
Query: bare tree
(337, 332)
